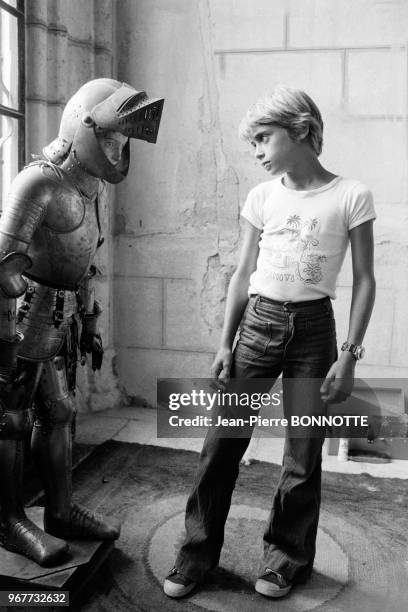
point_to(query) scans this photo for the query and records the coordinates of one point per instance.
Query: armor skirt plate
(42, 339)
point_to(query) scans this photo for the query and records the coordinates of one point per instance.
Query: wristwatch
(356, 350)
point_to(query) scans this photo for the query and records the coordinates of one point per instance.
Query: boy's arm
(340, 378)
(237, 298)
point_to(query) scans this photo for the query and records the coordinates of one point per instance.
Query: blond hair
(289, 108)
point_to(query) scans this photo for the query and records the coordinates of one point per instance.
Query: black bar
(11, 112)
(21, 86)
(16, 12)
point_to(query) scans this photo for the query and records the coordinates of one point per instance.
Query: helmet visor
(131, 113)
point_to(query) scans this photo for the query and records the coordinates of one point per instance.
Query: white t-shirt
(304, 236)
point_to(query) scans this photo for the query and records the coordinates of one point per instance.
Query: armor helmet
(106, 104)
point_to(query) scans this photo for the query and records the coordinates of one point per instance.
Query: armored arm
(90, 341)
(23, 212)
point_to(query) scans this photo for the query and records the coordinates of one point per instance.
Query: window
(12, 123)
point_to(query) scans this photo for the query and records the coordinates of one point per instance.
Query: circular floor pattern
(233, 590)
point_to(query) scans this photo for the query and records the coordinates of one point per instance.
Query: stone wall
(69, 43)
(177, 221)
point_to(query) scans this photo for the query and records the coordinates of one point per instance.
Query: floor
(138, 425)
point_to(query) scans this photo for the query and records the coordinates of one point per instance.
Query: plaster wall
(177, 216)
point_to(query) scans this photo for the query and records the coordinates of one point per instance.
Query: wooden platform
(84, 560)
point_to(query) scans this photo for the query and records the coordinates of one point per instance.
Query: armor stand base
(84, 561)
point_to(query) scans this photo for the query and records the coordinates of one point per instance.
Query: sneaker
(177, 585)
(272, 584)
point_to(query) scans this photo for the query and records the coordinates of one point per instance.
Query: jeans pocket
(253, 335)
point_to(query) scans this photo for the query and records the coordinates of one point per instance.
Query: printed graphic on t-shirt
(295, 253)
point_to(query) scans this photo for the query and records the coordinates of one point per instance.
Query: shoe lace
(83, 515)
(280, 578)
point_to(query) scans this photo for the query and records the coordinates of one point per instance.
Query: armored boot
(17, 533)
(52, 452)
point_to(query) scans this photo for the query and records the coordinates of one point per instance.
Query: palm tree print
(293, 221)
(311, 224)
(309, 268)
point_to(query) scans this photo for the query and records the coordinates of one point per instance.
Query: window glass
(9, 59)
(8, 154)
(11, 93)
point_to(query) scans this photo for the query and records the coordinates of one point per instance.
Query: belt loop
(257, 300)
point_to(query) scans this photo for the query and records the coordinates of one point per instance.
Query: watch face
(361, 352)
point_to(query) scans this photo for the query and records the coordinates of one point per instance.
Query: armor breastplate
(64, 245)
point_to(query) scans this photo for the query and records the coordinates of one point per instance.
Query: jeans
(297, 339)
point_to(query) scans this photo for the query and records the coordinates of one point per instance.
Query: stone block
(240, 24)
(58, 59)
(319, 74)
(399, 353)
(391, 248)
(103, 64)
(138, 312)
(98, 390)
(329, 23)
(162, 256)
(104, 256)
(43, 120)
(187, 178)
(381, 371)
(53, 113)
(103, 23)
(36, 66)
(168, 33)
(184, 325)
(36, 10)
(103, 385)
(139, 369)
(373, 151)
(371, 76)
(378, 340)
(81, 62)
(37, 118)
(181, 314)
(78, 17)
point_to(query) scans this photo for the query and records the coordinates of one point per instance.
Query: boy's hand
(339, 381)
(221, 366)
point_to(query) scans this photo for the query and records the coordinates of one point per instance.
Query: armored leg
(17, 532)
(52, 452)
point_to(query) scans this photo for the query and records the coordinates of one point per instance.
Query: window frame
(18, 113)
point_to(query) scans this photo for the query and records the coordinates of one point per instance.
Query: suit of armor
(49, 234)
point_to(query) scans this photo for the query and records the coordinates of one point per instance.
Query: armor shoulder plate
(36, 182)
(26, 205)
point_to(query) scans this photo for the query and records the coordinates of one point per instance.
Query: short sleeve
(360, 206)
(252, 210)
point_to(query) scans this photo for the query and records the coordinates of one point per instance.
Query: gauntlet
(91, 341)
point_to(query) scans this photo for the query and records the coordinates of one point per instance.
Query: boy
(297, 229)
